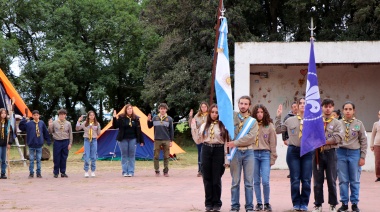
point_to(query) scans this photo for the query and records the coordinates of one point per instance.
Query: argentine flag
(223, 81)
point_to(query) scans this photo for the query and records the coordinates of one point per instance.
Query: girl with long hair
(92, 130)
(129, 133)
(4, 142)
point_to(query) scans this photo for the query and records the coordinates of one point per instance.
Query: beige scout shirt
(292, 126)
(375, 138)
(199, 120)
(61, 130)
(267, 141)
(95, 129)
(357, 137)
(249, 138)
(334, 132)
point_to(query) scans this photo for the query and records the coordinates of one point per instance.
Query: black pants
(212, 172)
(327, 164)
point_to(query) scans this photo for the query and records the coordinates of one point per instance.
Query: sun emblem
(228, 80)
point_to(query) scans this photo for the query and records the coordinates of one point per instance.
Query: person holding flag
(351, 157)
(91, 128)
(300, 167)
(324, 159)
(241, 155)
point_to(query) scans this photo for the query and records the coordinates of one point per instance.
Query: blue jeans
(128, 154)
(35, 153)
(349, 174)
(243, 159)
(300, 172)
(3, 159)
(90, 152)
(199, 147)
(261, 173)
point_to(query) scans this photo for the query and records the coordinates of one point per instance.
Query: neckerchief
(162, 118)
(130, 121)
(242, 119)
(204, 117)
(258, 131)
(347, 122)
(326, 121)
(2, 129)
(212, 132)
(37, 128)
(90, 131)
(301, 125)
(62, 125)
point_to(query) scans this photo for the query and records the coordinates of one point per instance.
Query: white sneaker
(332, 208)
(92, 174)
(125, 175)
(86, 175)
(317, 209)
(129, 175)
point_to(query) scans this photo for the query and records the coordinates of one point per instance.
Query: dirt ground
(109, 191)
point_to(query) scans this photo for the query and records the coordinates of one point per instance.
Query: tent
(108, 148)
(7, 92)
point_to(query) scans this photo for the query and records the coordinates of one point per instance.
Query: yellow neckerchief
(242, 119)
(258, 131)
(301, 125)
(326, 121)
(90, 130)
(212, 132)
(204, 117)
(2, 128)
(162, 118)
(347, 122)
(130, 121)
(37, 128)
(62, 124)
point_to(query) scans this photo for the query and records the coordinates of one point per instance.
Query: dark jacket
(3, 142)
(31, 136)
(285, 135)
(122, 124)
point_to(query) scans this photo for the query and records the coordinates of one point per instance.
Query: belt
(327, 147)
(213, 145)
(245, 147)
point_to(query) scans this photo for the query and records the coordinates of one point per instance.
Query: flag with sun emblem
(223, 81)
(313, 134)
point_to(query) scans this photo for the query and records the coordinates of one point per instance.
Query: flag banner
(313, 134)
(244, 131)
(223, 81)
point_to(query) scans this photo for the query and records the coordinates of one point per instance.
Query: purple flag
(313, 134)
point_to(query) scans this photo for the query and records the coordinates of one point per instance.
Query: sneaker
(249, 210)
(3, 176)
(93, 174)
(86, 175)
(39, 175)
(332, 208)
(208, 209)
(378, 179)
(303, 208)
(288, 176)
(56, 176)
(355, 208)
(129, 175)
(216, 208)
(317, 209)
(166, 174)
(157, 173)
(234, 210)
(199, 174)
(64, 175)
(296, 208)
(31, 176)
(259, 207)
(267, 207)
(343, 208)
(125, 175)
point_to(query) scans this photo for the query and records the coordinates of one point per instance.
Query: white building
(275, 73)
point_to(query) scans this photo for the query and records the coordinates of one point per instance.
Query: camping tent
(7, 92)
(108, 148)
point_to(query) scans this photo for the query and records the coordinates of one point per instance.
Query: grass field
(75, 163)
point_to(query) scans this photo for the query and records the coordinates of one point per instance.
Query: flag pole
(212, 91)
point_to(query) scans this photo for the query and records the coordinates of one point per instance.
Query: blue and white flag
(313, 134)
(223, 81)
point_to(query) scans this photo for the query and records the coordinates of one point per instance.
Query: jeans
(300, 172)
(243, 159)
(3, 159)
(165, 144)
(90, 153)
(327, 163)
(199, 147)
(349, 174)
(213, 170)
(60, 154)
(261, 173)
(35, 153)
(128, 155)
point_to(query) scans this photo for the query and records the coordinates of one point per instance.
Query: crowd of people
(252, 150)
